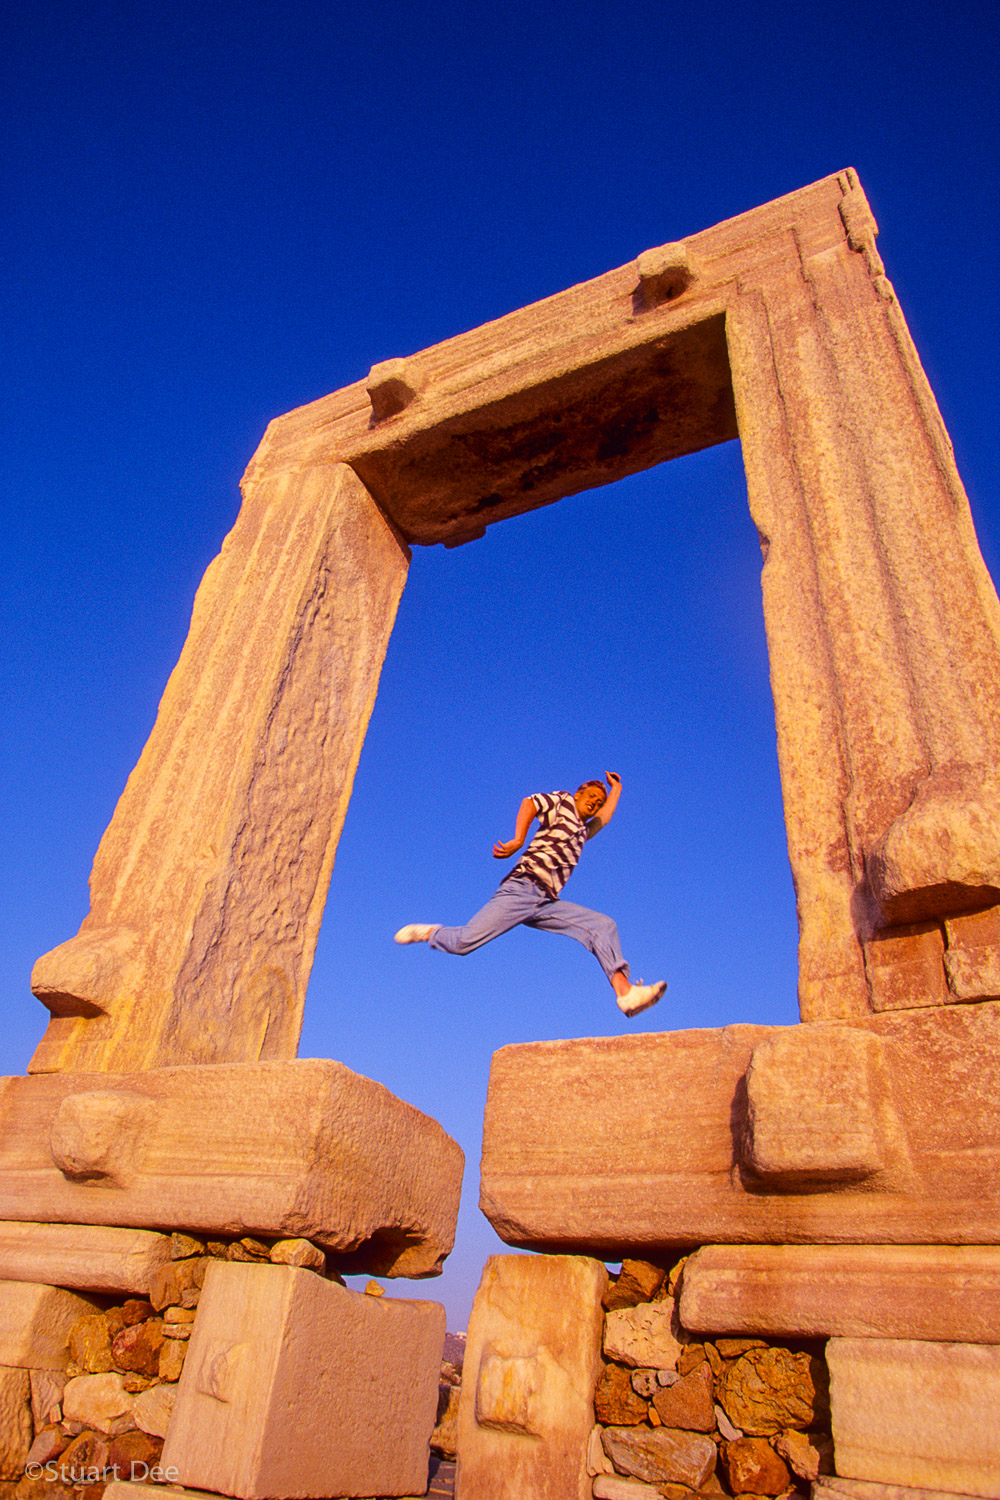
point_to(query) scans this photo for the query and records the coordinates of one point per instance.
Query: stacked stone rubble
(100, 1372)
(92, 1386)
(676, 1414)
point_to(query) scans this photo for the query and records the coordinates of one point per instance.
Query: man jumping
(530, 893)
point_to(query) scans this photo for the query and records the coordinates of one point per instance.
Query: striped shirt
(551, 857)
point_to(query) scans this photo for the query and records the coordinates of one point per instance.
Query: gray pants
(520, 900)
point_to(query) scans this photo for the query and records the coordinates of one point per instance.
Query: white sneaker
(417, 932)
(640, 997)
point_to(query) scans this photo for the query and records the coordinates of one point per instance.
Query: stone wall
(736, 1370)
(678, 1413)
(310, 1387)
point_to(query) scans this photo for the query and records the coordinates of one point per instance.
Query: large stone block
(920, 1414)
(288, 1149)
(884, 1131)
(935, 1292)
(35, 1322)
(531, 1366)
(83, 1256)
(294, 1386)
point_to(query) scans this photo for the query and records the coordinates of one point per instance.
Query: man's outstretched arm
(606, 813)
(525, 815)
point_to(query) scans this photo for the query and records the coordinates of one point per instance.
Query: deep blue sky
(215, 213)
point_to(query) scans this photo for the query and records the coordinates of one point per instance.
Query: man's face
(589, 800)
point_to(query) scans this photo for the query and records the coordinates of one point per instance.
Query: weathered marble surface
(531, 1364)
(295, 1387)
(208, 887)
(936, 1292)
(917, 1414)
(82, 1256)
(286, 1149)
(886, 1131)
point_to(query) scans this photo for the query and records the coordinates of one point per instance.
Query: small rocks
(134, 1454)
(182, 1246)
(171, 1359)
(642, 1336)
(138, 1346)
(90, 1450)
(639, 1281)
(123, 1405)
(90, 1346)
(645, 1383)
(766, 1390)
(688, 1404)
(690, 1358)
(49, 1443)
(598, 1461)
(615, 1487)
(134, 1382)
(136, 1310)
(46, 1396)
(298, 1253)
(733, 1348)
(661, 1454)
(805, 1458)
(753, 1468)
(153, 1407)
(99, 1401)
(444, 1437)
(177, 1322)
(752, 1406)
(726, 1428)
(616, 1401)
(178, 1284)
(246, 1249)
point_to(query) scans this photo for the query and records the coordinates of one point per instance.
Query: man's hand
(525, 816)
(613, 779)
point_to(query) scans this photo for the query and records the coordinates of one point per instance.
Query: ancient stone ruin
(808, 1217)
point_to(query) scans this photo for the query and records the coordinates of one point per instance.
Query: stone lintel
(932, 1292)
(85, 1257)
(598, 381)
(815, 1134)
(285, 1149)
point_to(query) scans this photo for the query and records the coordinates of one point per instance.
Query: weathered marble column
(882, 621)
(208, 887)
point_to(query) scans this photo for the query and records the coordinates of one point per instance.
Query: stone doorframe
(883, 628)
